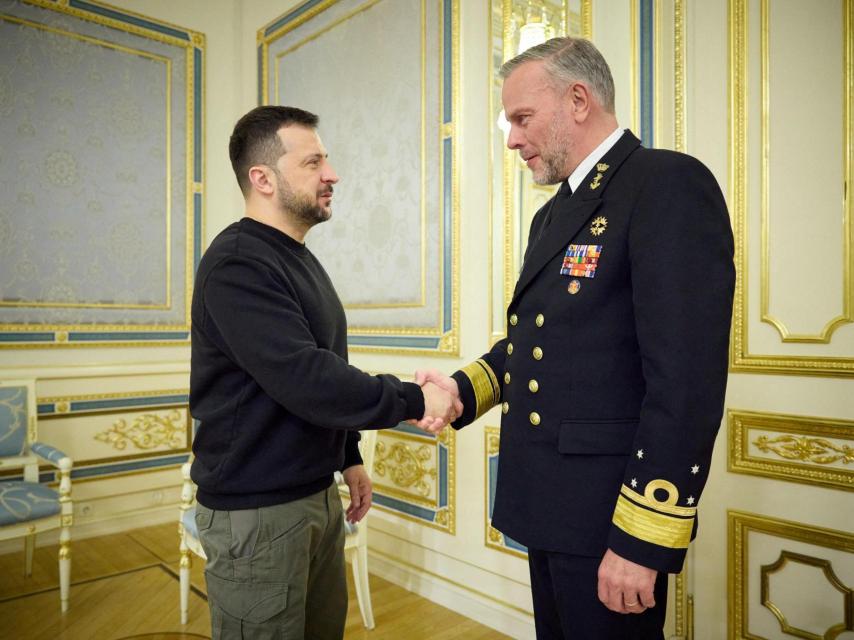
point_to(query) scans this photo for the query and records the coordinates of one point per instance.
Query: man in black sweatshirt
(279, 407)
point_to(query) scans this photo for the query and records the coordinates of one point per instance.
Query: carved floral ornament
(805, 449)
(405, 466)
(146, 432)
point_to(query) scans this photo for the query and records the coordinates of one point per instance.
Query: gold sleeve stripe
(487, 393)
(658, 506)
(657, 528)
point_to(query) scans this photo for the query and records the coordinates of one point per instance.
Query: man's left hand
(625, 587)
(360, 492)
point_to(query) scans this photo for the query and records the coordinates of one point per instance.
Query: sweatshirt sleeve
(256, 319)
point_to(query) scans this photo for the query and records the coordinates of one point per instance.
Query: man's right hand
(437, 387)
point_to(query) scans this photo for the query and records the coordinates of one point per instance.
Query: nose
(515, 140)
(329, 176)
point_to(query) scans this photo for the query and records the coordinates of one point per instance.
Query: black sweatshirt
(277, 404)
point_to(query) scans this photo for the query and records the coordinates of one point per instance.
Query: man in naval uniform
(611, 378)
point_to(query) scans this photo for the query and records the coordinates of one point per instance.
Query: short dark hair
(255, 138)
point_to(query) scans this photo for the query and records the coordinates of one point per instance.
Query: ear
(580, 100)
(262, 179)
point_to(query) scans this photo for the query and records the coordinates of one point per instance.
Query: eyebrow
(315, 156)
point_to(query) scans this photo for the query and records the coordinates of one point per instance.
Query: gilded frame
(395, 497)
(803, 447)
(57, 407)
(741, 359)
(442, 338)
(192, 43)
(493, 538)
(740, 524)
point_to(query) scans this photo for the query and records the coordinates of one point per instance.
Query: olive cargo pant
(276, 572)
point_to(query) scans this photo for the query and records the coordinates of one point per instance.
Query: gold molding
(195, 40)
(739, 526)
(447, 341)
(679, 75)
(445, 516)
(804, 448)
(765, 213)
(741, 360)
(148, 431)
(767, 570)
(167, 62)
(406, 467)
(493, 538)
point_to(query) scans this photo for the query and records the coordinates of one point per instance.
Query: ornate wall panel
(795, 448)
(100, 175)
(414, 475)
(391, 247)
(788, 579)
(118, 433)
(494, 538)
(792, 210)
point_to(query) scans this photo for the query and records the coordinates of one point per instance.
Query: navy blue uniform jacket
(612, 375)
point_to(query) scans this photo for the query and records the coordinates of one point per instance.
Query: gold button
(538, 353)
(509, 348)
(540, 319)
(505, 407)
(535, 418)
(534, 386)
(506, 377)
(514, 319)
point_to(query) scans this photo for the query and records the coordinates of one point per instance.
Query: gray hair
(569, 60)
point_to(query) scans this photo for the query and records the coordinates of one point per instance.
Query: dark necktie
(563, 194)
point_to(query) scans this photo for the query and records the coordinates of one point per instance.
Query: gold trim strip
(661, 507)
(812, 429)
(657, 528)
(485, 386)
(741, 360)
(740, 525)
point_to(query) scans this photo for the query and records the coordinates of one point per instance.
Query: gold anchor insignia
(601, 168)
(599, 225)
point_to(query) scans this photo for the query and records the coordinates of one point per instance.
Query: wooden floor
(126, 586)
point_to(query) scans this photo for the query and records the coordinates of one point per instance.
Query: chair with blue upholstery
(355, 540)
(28, 507)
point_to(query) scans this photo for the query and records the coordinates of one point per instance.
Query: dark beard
(304, 209)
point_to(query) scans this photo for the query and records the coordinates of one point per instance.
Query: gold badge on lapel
(574, 286)
(599, 225)
(601, 168)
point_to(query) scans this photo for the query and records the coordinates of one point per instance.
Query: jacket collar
(569, 216)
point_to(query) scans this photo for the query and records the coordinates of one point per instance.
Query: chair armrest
(188, 489)
(51, 455)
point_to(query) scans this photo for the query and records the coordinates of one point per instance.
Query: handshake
(441, 400)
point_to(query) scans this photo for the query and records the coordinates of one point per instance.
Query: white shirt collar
(586, 165)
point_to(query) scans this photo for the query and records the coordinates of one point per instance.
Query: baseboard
(466, 602)
(116, 523)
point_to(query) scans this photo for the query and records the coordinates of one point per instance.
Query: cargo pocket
(246, 609)
(597, 438)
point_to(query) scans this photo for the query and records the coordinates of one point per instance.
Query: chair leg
(363, 589)
(184, 580)
(64, 567)
(29, 545)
